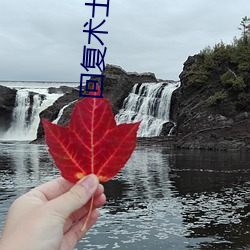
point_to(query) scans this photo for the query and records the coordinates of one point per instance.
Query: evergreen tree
(245, 28)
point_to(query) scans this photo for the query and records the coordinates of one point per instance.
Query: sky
(44, 39)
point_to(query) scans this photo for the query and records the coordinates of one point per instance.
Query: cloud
(43, 39)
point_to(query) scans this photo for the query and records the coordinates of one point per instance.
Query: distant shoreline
(38, 81)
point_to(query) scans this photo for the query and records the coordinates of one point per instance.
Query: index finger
(54, 188)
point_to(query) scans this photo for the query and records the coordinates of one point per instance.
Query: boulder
(7, 104)
(166, 128)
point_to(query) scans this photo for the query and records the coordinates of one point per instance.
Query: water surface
(161, 200)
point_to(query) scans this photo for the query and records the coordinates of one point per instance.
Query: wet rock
(61, 90)
(118, 84)
(7, 105)
(224, 126)
(52, 112)
(166, 128)
(242, 116)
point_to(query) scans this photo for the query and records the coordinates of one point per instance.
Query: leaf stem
(84, 228)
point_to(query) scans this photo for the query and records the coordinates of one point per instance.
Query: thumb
(76, 197)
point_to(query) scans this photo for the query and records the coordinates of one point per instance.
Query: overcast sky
(43, 39)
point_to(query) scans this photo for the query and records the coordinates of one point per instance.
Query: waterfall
(149, 103)
(61, 112)
(25, 116)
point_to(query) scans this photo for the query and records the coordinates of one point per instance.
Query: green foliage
(216, 98)
(197, 75)
(222, 53)
(226, 67)
(232, 80)
(210, 65)
(242, 96)
(228, 78)
(245, 23)
(239, 84)
(244, 67)
(206, 51)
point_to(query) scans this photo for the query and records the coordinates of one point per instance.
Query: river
(162, 199)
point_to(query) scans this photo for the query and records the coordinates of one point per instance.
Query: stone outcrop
(167, 128)
(224, 126)
(196, 124)
(116, 87)
(118, 84)
(60, 90)
(7, 104)
(52, 112)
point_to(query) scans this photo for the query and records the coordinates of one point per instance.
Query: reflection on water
(22, 167)
(215, 191)
(160, 200)
(141, 209)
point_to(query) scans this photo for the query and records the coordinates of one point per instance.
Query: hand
(50, 216)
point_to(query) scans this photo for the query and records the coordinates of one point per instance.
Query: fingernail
(89, 182)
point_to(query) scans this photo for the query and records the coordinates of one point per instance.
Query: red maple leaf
(92, 143)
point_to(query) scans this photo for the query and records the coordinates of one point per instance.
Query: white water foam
(61, 112)
(25, 117)
(149, 103)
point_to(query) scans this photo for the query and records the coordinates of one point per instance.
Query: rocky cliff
(51, 113)
(116, 87)
(7, 104)
(118, 84)
(211, 108)
(211, 115)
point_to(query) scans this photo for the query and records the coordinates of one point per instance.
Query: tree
(245, 28)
